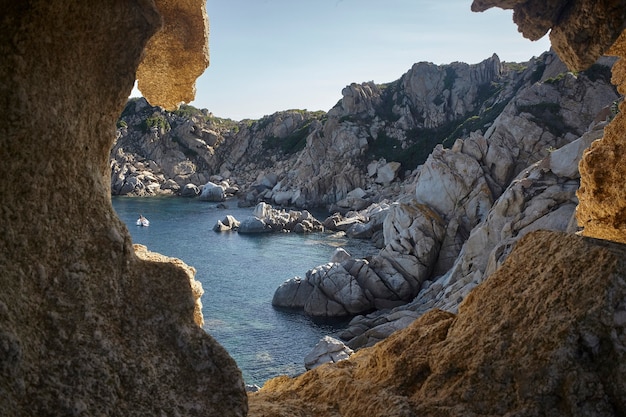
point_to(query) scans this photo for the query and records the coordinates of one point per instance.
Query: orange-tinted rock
(86, 326)
(544, 335)
(176, 55)
(602, 193)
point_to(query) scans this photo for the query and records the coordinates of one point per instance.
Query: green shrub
(598, 72)
(294, 142)
(449, 79)
(547, 115)
(156, 120)
(538, 73)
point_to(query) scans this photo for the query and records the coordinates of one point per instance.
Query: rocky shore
(92, 325)
(483, 155)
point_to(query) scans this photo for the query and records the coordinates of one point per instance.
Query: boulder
(327, 350)
(387, 173)
(190, 190)
(292, 293)
(227, 224)
(340, 255)
(253, 225)
(212, 192)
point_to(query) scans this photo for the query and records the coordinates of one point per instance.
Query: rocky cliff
(563, 354)
(484, 186)
(90, 324)
(368, 146)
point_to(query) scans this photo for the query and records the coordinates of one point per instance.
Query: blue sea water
(239, 274)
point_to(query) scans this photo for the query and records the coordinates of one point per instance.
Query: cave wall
(87, 326)
(580, 32)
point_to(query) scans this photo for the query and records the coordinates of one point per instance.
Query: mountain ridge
(317, 157)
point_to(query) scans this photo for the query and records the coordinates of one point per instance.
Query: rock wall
(602, 193)
(87, 326)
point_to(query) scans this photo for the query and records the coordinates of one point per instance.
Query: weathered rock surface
(391, 278)
(581, 31)
(602, 193)
(212, 192)
(183, 37)
(541, 197)
(454, 191)
(326, 351)
(228, 223)
(90, 325)
(544, 335)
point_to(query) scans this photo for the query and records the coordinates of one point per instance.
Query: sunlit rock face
(581, 31)
(87, 327)
(162, 79)
(602, 193)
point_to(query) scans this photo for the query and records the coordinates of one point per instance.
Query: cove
(239, 274)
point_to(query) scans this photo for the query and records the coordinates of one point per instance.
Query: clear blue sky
(272, 55)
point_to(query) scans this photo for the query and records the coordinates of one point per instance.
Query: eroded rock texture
(87, 327)
(581, 31)
(182, 39)
(544, 335)
(602, 193)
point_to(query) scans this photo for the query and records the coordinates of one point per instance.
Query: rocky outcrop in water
(544, 335)
(454, 191)
(266, 219)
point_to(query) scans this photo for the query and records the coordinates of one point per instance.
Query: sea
(239, 274)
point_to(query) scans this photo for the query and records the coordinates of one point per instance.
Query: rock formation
(87, 325)
(544, 335)
(580, 32)
(542, 197)
(453, 193)
(602, 208)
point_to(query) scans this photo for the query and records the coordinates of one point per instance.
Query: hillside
(374, 139)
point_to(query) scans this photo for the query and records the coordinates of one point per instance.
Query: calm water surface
(239, 274)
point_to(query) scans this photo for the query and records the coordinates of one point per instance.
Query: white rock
(212, 192)
(328, 349)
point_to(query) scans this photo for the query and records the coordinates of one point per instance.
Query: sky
(274, 55)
